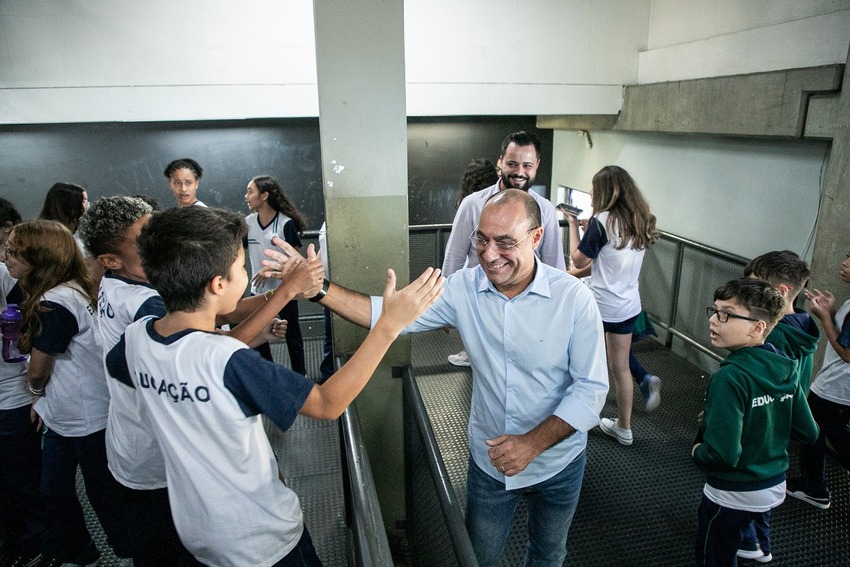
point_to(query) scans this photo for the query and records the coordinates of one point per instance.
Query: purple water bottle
(10, 325)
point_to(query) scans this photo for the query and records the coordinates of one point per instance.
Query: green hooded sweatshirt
(799, 344)
(753, 405)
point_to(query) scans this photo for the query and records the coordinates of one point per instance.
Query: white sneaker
(610, 427)
(756, 553)
(459, 359)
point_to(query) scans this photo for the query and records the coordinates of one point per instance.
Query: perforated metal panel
(701, 275)
(424, 253)
(656, 279)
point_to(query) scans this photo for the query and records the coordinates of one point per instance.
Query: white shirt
(76, 398)
(614, 278)
(13, 393)
(459, 249)
(132, 450)
(205, 393)
(833, 380)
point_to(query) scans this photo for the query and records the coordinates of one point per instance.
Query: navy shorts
(621, 328)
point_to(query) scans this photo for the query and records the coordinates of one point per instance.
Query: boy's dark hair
(759, 297)
(104, 226)
(184, 163)
(521, 138)
(780, 267)
(8, 214)
(182, 249)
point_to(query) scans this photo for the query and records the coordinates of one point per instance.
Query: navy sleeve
(58, 327)
(15, 295)
(594, 239)
(290, 234)
(152, 306)
(844, 335)
(116, 363)
(263, 387)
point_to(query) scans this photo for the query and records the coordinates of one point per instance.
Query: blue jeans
(60, 457)
(551, 504)
(720, 533)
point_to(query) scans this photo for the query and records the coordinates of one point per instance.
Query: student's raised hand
(280, 261)
(821, 303)
(403, 307)
(305, 280)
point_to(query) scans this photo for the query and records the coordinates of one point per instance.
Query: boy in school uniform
(205, 392)
(829, 398)
(753, 406)
(796, 336)
(109, 230)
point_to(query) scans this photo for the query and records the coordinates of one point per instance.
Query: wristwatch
(322, 292)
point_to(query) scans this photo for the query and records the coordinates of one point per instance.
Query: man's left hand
(510, 454)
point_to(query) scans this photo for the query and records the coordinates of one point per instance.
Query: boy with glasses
(753, 405)
(796, 335)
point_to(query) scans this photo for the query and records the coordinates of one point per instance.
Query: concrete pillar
(363, 125)
(829, 117)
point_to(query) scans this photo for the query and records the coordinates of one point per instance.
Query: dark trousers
(294, 339)
(60, 457)
(27, 526)
(720, 532)
(834, 422)
(149, 521)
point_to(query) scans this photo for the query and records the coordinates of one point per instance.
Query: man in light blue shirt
(539, 378)
(519, 159)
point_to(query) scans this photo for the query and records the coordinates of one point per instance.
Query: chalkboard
(439, 149)
(128, 159)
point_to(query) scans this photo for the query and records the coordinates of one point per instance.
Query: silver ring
(502, 469)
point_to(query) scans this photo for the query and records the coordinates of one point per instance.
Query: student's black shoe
(794, 489)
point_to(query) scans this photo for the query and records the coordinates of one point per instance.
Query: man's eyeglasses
(500, 245)
(724, 316)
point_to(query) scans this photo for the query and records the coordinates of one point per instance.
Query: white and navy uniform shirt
(260, 238)
(205, 393)
(76, 399)
(131, 446)
(614, 279)
(13, 392)
(833, 380)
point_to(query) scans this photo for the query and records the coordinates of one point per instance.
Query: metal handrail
(367, 523)
(449, 505)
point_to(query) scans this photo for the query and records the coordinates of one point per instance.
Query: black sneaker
(794, 489)
(49, 562)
